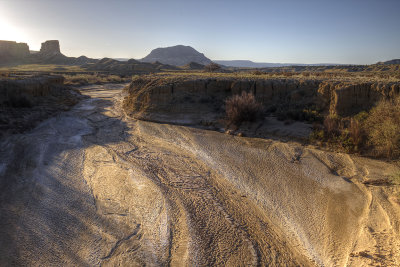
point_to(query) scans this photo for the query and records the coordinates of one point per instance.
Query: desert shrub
(311, 115)
(287, 74)
(257, 72)
(317, 134)
(356, 132)
(382, 128)
(345, 142)
(395, 178)
(332, 125)
(344, 134)
(240, 108)
(212, 67)
(299, 114)
(376, 133)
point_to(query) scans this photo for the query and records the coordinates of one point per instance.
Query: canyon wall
(154, 97)
(29, 88)
(18, 53)
(13, 51)
(26, 101)
(349, 98)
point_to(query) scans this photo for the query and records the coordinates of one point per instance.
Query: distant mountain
(178, 55)
(390, 62)
(251, 64)
(248, 64)
(121, 58)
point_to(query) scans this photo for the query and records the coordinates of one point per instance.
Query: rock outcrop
(50, 53)
(349, 98)
(178, 55)
(18, 53)
(50, 48)
(390, 62)
(13, 51)
(181, 98)
(29, 87)
(25, 101)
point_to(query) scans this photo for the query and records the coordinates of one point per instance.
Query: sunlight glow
(11, 33)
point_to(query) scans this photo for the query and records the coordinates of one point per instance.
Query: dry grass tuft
(376, 133)
(383, 128)
(332, 125)
(240, 108)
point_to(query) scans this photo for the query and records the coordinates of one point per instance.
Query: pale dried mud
(93, 187)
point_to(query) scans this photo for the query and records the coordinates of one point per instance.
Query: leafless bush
(383, 128)
(332, 125)
(240, 108)
(356, 132)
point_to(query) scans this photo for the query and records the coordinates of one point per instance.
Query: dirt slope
(91, 187)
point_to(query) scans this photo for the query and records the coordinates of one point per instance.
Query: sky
(285, 31)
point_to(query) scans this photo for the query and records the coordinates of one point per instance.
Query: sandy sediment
(92, 187)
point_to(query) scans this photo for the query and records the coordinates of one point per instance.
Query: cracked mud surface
(91, 187)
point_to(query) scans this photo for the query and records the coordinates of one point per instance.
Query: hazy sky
(298, 31)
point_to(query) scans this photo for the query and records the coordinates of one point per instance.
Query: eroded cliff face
(18, 53)
(161, 98)
(51, 47)
(349, 98)
(152, 96)
(31, 88)
(24, 102)
(12, 51)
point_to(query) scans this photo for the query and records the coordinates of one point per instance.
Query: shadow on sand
(48, 214)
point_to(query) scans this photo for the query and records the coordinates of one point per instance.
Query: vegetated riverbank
(199, 99)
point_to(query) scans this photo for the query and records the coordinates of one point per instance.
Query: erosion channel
(92, 187)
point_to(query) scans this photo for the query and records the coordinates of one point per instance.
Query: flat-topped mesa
(10, 50)
(51, 47)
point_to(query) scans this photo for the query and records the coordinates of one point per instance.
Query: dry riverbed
(94, 187)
